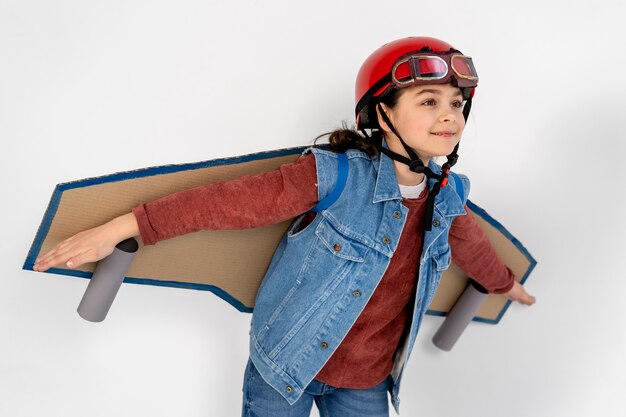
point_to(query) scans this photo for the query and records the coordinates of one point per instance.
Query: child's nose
(447, 117)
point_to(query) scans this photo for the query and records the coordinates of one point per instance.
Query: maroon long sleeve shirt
(365, 356)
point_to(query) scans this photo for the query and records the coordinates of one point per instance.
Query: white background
(89, 88)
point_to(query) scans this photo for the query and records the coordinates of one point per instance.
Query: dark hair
(345, 138)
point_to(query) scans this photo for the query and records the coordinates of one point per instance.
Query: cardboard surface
(211, 260)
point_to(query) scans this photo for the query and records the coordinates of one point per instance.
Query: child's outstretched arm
(473, 252)
(90, 245)
(249, 201)
(246, 202)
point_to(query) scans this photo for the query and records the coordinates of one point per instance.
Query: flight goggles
(428, 68)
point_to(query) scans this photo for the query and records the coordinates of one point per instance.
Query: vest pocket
(300, 224)
(340, 245)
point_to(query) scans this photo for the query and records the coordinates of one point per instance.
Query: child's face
(429, 118)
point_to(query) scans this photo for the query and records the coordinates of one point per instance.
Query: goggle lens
(464, 67)
(429, 68)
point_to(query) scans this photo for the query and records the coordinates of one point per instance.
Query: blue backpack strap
(458, 185)
(342, 178)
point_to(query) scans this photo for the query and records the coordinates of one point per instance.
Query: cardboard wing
(212, 260)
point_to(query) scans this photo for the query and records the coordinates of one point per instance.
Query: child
(338, 311)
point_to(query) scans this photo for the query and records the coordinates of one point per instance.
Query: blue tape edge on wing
(158, 283)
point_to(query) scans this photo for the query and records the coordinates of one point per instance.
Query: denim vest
(322, 276)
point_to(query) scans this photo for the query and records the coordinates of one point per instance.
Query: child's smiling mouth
(444, 133)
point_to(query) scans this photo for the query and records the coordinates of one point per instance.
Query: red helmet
(405, 62)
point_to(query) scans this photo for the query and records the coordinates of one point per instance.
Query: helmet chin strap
(416, 165)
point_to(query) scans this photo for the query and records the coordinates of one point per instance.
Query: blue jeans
(261, 400)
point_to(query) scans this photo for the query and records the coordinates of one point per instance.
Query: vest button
(436, 223)
(324, 345)
(337, 247)
(288, 388)
(397, 214)
(386, 240)
(356, 293)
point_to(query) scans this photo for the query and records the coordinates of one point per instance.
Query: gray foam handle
(106, 281)
(459, 316)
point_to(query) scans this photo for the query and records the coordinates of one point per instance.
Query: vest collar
(447, 202)
(386, 181)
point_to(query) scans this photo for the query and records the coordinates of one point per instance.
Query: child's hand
(90, 245)
(87, 246)
(519, 294)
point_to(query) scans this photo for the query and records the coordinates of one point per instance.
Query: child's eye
(457, 104)
(429, 102)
